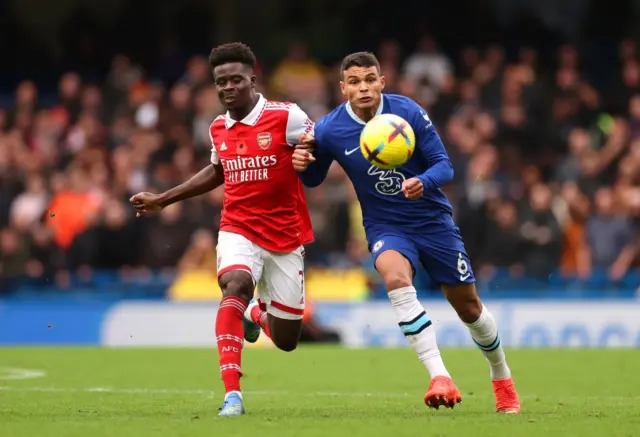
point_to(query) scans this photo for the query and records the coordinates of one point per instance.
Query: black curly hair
(232, 52)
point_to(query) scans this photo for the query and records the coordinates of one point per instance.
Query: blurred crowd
(547, 165)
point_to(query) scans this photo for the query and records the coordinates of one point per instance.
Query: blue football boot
(233, 405)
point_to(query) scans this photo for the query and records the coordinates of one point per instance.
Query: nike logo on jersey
(349, 152)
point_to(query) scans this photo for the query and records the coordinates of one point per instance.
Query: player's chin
(231, 104)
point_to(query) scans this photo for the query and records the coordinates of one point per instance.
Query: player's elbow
(215, 176)
(310, 182)
(448, 173)
(441, 173)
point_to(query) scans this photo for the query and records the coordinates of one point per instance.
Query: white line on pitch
(171, 391)
(210, 393)
(12, 373)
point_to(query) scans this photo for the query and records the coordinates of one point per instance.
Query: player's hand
(302, 156)
(145, 203)
(306, 142)
(413, 188)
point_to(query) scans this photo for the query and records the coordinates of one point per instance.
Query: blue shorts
(441, 252)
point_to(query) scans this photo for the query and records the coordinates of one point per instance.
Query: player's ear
(383, 81)
(254, 81)
(342, 87)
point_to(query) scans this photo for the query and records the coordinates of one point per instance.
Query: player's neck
(366, 114)
(240, 113)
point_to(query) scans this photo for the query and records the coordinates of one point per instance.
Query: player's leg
(448, 264)
(281, 307)
(239, 263)
(395, 258)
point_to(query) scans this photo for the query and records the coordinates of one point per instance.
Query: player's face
(362, 86)
(234, 83)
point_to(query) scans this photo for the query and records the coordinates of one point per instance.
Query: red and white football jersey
(263, 197)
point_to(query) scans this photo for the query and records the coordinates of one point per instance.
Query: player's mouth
(366, 99)
(230, 98)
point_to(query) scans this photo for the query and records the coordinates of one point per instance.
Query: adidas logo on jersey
(223, 147)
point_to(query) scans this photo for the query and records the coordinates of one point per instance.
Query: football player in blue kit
(408, 222)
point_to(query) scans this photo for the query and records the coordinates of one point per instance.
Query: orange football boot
(507, 400)
(442, 391)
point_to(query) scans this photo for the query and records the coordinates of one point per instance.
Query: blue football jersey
(384, 206)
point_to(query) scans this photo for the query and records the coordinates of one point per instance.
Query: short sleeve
(298, 124)
(215, 159)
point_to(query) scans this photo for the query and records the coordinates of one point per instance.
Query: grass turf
(314, 391)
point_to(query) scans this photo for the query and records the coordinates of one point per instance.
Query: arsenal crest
(264, 140)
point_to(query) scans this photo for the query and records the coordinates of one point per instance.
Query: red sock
(260, 317)
(229, 335)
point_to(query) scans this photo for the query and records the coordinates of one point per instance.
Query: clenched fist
(145, 203)
(413, 188)
(302, 156)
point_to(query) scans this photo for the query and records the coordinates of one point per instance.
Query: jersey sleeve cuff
(427, 183)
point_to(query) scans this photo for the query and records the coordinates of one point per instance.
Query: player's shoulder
(400, 103)
(220, 120)
(333, 118)
(218, 123)
(408, 109)
(337, 114)
(286, 112)
(277, 105)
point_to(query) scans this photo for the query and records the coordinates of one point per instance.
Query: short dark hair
(359, 59)
(232, 52)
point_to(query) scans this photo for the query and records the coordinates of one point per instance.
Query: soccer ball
(387, 141)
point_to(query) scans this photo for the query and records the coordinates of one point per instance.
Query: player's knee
(465, 300)
(286, 345)
(236, 283)
(470, 311)
(285, 333)
(285, 340)
(395, 280)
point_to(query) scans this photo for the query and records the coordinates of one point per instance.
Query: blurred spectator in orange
(72, 209)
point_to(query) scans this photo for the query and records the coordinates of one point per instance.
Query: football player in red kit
(265, 221)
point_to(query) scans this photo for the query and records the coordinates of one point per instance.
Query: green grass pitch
(314, 391)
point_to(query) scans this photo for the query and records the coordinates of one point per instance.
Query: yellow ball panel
(387, 141)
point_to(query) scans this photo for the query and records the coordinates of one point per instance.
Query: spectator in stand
(299, 78)
(609, 237)
(541, 233)
(547, 164)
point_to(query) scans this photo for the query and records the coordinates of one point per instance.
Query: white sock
(233, 392)
(418, 329)
(484, 332)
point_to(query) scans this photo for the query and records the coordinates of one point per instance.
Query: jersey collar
(356, 118)
(252, 117)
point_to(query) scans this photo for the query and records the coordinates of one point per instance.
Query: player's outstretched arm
(207, 179)
(428, 142)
